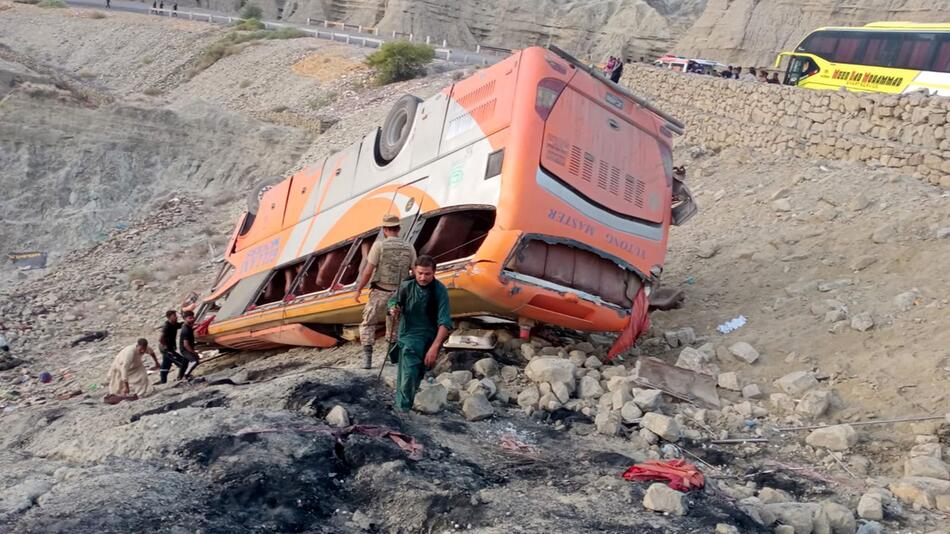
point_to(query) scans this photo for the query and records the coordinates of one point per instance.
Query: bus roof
(894, 25)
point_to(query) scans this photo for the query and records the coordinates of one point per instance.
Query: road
(348, 36)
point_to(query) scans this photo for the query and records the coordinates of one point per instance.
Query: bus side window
(942, 58)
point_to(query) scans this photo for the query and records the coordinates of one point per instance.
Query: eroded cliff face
(753, 32)
(742, 32)
(593, 29)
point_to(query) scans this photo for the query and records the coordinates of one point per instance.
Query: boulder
(562, 390)
(906, 300)
(529, 397)
(926, 466)
(619, 398)
(814, 404)
(920, 491)
(549, 402)
(771, 496)
(799, 516)
(836, 438)
(680, 337)
(589, 388)
(477, 407)
(608, 423)
(839, 517)
(797, 382)
(871, 527)
(550, 369)
(630, 412)
(462, 378)
(927, 449)
(485, 367)
(661, 498)
(431, 400)
(743, 351)
(752, 391)
(871, 507)
(593, 362)
(528, 351)
(616, 383)
(698, 361)
(664, 426)
(862, 322)
(509, 373)
(338, 417)
(486, 386)
(729, 381)
(648, 399)
(610, 371)
(722, 528)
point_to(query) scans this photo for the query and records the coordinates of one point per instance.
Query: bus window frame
(421, 222)
(890, 60)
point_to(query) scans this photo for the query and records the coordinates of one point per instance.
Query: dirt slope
(244, 450)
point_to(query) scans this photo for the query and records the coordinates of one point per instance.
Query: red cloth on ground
(679, 474)
(638, 324)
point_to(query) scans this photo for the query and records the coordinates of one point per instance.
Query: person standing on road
(186, 342)
(108, 4)
(166, 345)
(127, 376)
(387, 264)
(422, 306)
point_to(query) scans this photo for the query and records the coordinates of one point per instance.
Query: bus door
(797, 68)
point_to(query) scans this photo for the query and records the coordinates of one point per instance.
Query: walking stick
(389, 345)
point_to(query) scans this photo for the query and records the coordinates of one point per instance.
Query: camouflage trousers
(374, 313)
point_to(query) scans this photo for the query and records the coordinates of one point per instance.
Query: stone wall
(906, 132)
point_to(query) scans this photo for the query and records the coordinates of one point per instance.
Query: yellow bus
(881, 57)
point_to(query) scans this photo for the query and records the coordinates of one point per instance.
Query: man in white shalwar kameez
(128, 376)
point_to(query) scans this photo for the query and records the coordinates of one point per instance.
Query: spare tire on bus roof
(395, 131)
(256, 192)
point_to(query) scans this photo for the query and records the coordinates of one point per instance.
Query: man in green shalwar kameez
(422, 305)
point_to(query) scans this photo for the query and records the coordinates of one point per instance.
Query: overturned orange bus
(544, 192)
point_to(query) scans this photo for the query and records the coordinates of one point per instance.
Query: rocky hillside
(739, 32)
(596, 29)
(752, 33)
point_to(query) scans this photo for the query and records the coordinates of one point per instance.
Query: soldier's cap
(390, 221)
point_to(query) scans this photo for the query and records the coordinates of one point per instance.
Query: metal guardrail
(442, 52)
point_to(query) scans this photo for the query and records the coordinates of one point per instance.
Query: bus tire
(256, 192)
(396, 128)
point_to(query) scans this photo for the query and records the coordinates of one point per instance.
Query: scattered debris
(732, 325)
(679, 474)
(680, 383)
(90, 337)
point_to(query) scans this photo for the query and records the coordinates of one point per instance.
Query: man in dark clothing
(617, 72)
(166, 344)
(422, 306)
(186, 342)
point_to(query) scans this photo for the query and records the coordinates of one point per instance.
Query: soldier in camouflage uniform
(387, 265)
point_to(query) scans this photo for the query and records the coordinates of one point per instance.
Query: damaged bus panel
(544, 192)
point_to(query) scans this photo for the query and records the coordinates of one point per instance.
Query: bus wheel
(257, 192)
(396, 129)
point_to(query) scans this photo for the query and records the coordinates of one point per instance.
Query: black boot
(367, 357)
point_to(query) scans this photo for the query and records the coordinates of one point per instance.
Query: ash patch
(206, 399)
